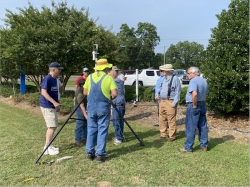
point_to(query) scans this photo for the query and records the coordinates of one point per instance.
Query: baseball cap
(55, 65)
(85, 69)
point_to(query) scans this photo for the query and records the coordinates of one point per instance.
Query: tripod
(54, 137)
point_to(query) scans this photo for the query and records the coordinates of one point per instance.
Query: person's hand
(57, 106)
(157, 97)
(86, 116)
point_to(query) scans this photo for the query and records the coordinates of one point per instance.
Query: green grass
(158, 163)
(70, 83)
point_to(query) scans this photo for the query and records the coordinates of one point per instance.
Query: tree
(226, 66)
(158, 60)
(60, 34)
(137, 46)
(184, 55)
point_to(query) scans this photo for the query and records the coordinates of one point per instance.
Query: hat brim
(166, 69)
(102, 67)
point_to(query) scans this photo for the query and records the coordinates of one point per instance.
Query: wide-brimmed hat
(115, 68)
(101, 64)
(167, 67)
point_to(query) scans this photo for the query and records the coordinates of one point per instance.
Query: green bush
(31, 89)
(34, 98)
(148, 95)
(183, 96)
(6, 90)
(226, 62)
(130, 93)
(68, 93)
(66, 105)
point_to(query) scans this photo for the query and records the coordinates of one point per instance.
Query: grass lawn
(158, 163)
(70, 83)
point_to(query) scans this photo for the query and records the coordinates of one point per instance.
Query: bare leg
(49, 134)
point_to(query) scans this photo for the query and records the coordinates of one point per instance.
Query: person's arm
(76, 86)
(50, 99)
(114, 93)
(194, 98)
(83, 110)
(85, 91)
(177, 91)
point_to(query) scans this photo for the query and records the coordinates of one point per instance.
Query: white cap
(85, 69)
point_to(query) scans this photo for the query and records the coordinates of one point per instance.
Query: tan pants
(167, 119)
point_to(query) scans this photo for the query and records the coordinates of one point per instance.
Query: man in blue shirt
(196, 111)
(119, 102)
(157, 86)
(169, 96)
(49, 104)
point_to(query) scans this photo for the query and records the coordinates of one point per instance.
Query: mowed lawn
(158, 163)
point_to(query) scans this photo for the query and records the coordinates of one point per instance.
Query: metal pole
(164, 54)
(114, 106)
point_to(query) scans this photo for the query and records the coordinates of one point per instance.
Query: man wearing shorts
(49, 104)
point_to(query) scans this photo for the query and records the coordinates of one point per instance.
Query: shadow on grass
(147, 137)
(213, 142)
(139, 116)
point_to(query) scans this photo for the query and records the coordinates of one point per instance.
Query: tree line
(32, 38)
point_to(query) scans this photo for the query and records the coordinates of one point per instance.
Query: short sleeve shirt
(50, 84)
(107, 85)
(79, 78)
(199, 85)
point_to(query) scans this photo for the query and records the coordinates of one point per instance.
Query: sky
(175, 20)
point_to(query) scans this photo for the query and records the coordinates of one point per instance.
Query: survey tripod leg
(59, 130)
(114, 106)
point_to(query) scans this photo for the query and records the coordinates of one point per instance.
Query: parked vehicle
(182, 75)
(146, 78)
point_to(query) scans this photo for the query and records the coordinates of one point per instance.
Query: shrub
(6, 90)
(34, 98)
(226, 65)
(183, 96)
(148, 95)
(66, 105)
(68, 93)
(130, 93)
(31, 89)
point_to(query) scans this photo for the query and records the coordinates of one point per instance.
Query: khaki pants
(167, 118)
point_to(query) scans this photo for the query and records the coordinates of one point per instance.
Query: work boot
(90, 156)
(100, 158)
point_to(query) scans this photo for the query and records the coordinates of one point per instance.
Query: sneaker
(117, 142)
(90, 156)
(100, 158)
(55, 148)
(51, 151)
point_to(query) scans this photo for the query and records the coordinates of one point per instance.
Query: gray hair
(195, 70)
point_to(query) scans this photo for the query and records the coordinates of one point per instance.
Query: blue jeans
(81, 126)
(196, 118)
(98, 124)
(118, 122)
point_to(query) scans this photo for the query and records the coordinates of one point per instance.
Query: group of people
(101, 93)
(167, 95)
(94, 95)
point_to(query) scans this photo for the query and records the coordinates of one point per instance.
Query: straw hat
(167, 67)
(101, 64)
